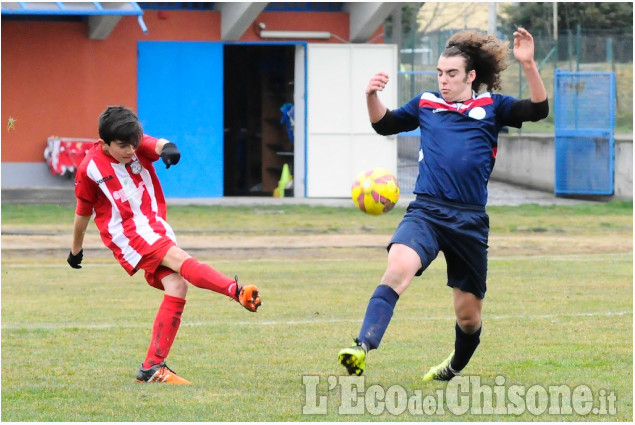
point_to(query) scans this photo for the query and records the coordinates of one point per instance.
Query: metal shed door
(340, 140)
(180, 98)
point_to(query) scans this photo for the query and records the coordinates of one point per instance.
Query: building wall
(56, 81)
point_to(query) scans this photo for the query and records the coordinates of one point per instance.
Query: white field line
(563, 257)
(302, 322)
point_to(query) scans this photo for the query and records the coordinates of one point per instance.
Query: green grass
(73, 339)
(303, 219)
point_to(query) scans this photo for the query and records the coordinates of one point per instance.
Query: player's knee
(401, 269)
(175, 285)
(174, 258)
(469, 323)
(397, 277)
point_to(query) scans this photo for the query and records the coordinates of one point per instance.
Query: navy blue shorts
(431, 225)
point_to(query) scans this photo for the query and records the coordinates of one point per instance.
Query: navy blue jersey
(459, 142)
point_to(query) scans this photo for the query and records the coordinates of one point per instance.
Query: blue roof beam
(102, 16)
(101, 25)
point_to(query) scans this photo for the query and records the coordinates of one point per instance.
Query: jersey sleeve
(395, 121)
(85, 192)
(147, 148)
(504, 112)
(408, 114)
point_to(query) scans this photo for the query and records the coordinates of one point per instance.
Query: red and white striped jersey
(127, 199)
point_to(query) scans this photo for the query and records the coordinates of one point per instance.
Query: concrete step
(38, 195)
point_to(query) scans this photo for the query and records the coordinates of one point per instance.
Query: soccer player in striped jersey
(459, 138)
(117, 182)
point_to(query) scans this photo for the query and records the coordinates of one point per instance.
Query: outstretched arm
(382, 119)
(376, 109)
(168, 152)
(76, 254)
(524, 53)
(79, 230)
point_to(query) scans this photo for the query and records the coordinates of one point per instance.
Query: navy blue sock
(464, 347)
(378, 315)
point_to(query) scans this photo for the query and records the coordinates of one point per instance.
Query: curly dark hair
(484, 54)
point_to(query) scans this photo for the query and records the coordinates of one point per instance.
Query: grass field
(558, 312)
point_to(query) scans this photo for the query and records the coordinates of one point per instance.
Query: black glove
(75, 261)
(170, 154)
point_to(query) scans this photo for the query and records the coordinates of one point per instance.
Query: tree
(538, 17)
(409, 13)
(440, 16)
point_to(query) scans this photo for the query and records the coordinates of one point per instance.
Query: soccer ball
(375, 191)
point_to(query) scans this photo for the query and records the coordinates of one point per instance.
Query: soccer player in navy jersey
(459, 131)
(117, 183)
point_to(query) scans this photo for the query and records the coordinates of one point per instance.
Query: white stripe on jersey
(147, 180)
(114, 225)
(134, 195)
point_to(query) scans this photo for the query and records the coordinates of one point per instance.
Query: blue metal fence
(584, 127)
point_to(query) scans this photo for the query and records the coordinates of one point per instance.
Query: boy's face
(119, 150)
(454, 83)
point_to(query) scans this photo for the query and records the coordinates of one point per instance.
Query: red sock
(204, 276)
(166, 325)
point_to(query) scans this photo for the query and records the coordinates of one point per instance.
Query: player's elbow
(380, 129)
(385, 125)
(389, 124)
(540, 110)
(526, 110)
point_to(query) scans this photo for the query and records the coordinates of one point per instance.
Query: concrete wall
(529, 160)
(624, 168)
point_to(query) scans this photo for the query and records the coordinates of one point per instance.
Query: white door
(340, 140)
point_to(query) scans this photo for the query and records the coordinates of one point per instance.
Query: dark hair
(484, 54)
(120, 123)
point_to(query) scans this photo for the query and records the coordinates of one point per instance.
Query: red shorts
(151, 262)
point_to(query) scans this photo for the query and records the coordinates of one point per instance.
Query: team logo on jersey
(477, 113)
(104, 180)
(135, 166)
(129, 191)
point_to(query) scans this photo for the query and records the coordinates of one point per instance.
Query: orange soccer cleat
(160, 373)
(248, 297)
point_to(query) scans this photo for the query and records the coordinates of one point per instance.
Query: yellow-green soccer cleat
(441, 372)
(353, 359)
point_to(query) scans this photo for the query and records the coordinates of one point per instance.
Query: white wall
(299, 97)
(340, 140)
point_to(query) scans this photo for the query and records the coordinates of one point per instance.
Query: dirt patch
(324, 246)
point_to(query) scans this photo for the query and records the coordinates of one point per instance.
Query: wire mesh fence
(574, 50)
